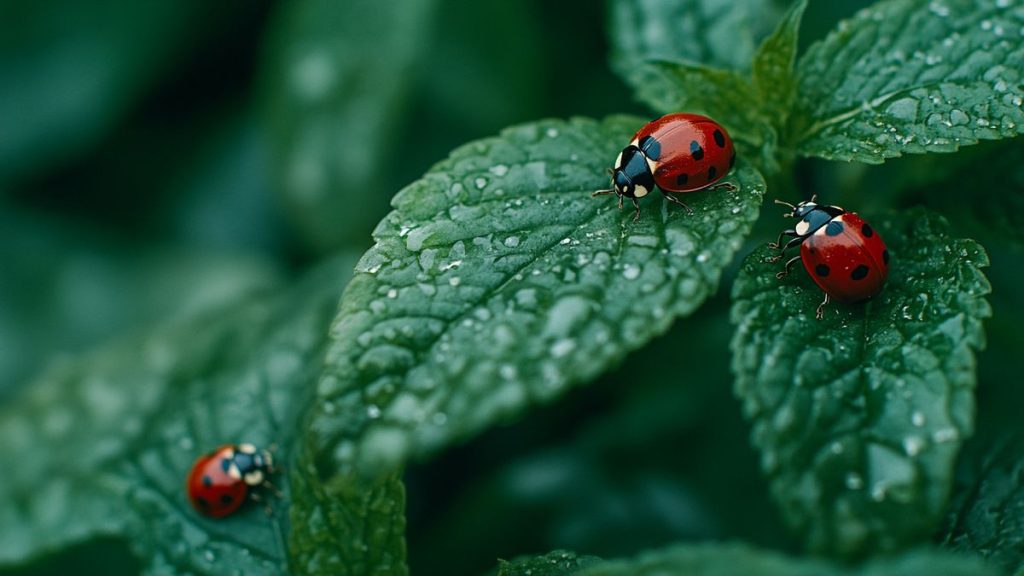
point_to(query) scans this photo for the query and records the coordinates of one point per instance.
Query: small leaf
(103, 444)
(718, 33)
(912, 76)
(987, 514)
(731, 559)
(336, 79)
(773, 73)
(557, 563)
(720, 94)
(860, 416)
(496, 284)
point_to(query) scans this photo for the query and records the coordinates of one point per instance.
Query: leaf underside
(859, 416)
(912, 76)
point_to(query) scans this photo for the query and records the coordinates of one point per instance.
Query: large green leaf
(732, 559)
(103, 443)
(496, 284)
(337, 74)
(859, 417)
(987, 515)
(912, 76)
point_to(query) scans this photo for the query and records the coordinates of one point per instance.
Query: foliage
(513, 365)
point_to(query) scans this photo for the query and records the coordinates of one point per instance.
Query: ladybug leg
(725, 186)
(675, 200)
(601, 193)
(794, 242)
(778, 243)
(635, 205)
(620, 202)
(789, 264)
(820, 312)
(277, 491)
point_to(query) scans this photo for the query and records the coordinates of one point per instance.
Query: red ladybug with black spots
(844, 255)
(222, 480)
(677, 153)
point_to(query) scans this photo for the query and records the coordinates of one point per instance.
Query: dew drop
(631, 271)
(552, 133)
(854, 481)
(917, 418)
(373, 411)
(563, 347)
(499, 170)
(480, 183)
(454, 281)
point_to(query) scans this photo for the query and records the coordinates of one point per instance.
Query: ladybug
(222, 480)
(676, 153)
(844, 255)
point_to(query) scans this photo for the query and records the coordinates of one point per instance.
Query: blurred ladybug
(844, 255)
(676, 153)
(222, 480)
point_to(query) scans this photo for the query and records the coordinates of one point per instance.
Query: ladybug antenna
(814, 197)
(777, 201)
(611, 171)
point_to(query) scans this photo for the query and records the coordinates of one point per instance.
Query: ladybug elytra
(675, 153)
(844, 255)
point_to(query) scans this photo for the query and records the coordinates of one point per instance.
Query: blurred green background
(161, 158)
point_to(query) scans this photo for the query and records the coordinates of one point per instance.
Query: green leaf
(557, 563)
(912, 76)
(987, 514)
(773, 73)
(496, 284)
(731, 559)
(860, 416)
(336, 79)
(720, 94)
(718, 33)
(103, 443)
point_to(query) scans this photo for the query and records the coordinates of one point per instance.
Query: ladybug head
(801, 209)
(622, 183)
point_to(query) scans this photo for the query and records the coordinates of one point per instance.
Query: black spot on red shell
(834, 228)
(860, 272)
(885, 256)
(712, 174)
(226, 499)
(225, 464)
(867, 231)
(207, 481)
(651, 147)
(202, 503)
(682, 179)
(719, 138)
(696, 150)
(822, 270)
